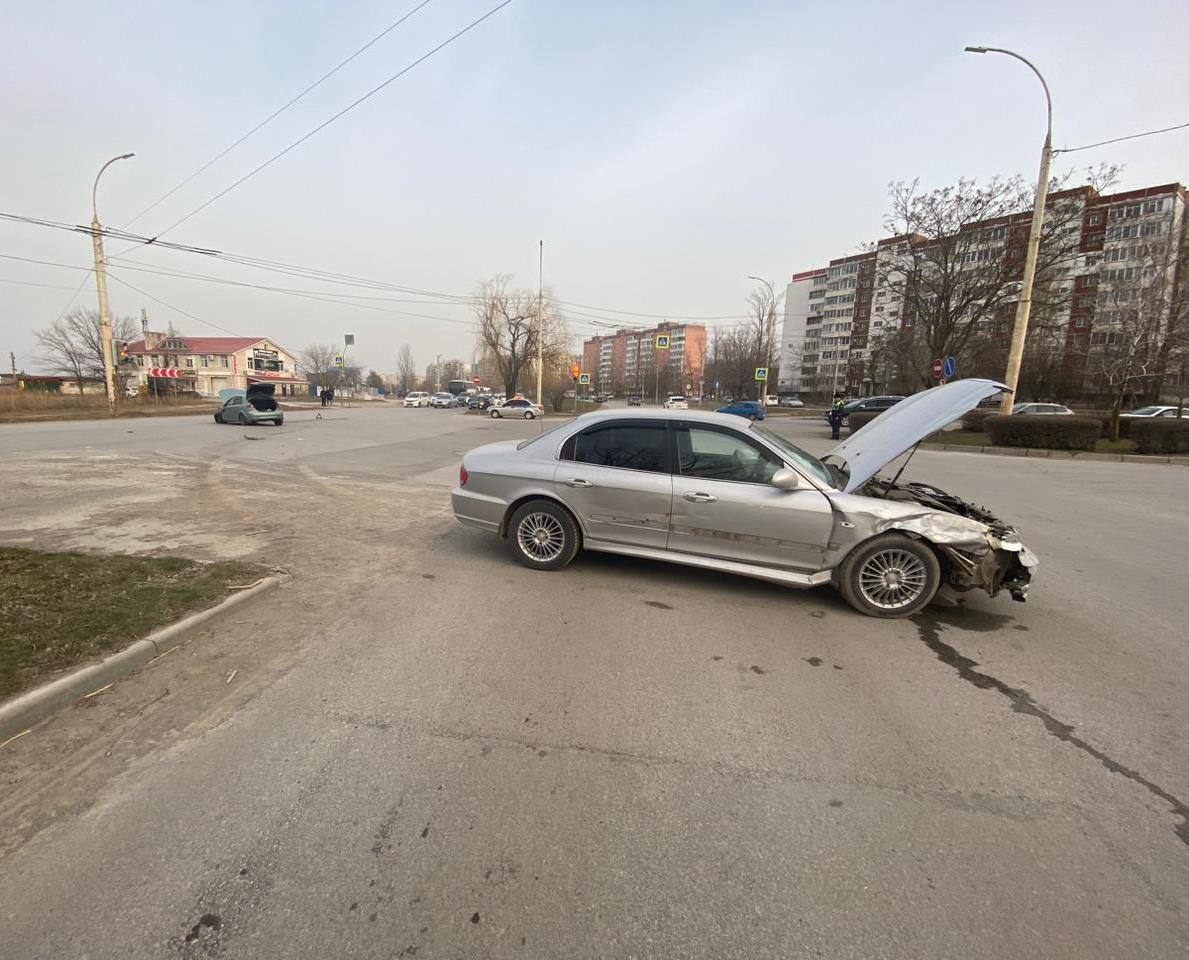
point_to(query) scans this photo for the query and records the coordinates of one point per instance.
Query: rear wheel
(543, 535)
(528, 414)
(890, 576)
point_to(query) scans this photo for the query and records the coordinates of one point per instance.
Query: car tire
(751, 417)
(494, 414)
(543, 535)
(863, 581)
(528, 414)
(243, 420)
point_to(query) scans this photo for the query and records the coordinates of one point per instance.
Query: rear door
(725, 506)
(615, 477)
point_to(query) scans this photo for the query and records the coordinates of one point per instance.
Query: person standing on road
(322, 396)
(835, 417)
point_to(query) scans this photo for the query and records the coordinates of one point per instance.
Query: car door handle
(700, 497)
(577, 482)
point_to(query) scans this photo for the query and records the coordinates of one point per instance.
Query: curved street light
(1019, 334)
(109, 367)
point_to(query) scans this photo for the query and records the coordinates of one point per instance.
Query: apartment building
(627, 360)
(853, 305)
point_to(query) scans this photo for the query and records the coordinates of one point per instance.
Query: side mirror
(786, 479)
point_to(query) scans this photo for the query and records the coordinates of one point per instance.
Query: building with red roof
(210, 364)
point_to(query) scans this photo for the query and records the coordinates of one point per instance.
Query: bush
(974, 420)
(858, 420)
(1044, 432)
(1105, 416)
(1161, 436)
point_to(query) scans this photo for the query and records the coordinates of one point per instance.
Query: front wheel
(494, 414)
(751, 417)
(243, 420)
(543, 535)
(890, 576)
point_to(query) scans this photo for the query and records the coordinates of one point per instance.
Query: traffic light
(123, 353)
(575, 371)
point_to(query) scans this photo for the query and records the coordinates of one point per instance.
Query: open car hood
(867, 451)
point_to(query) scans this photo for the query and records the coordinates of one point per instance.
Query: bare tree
(508, 328)
(762, 306)
(406, 368)
(1140, 323)
(955, 271)
(317, 361)
(73, 344)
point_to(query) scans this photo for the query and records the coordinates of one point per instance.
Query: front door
(725, 506)
(615, 477)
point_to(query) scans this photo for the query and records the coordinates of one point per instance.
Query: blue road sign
(951, 366)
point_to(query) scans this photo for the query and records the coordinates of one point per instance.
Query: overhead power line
(276, 113)
(1134, 136)
(326, 123)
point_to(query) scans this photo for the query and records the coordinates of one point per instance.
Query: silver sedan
(516, 407)
(715, 491)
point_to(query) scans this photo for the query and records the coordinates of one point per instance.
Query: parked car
(1150, 412)
(517, 407)
(635, 400)
(461, 400)
(1044, 409)
(418, 398)
(717, 492)
(676, 403)
(867, 405)
(479, 401)
(752, 409)
(791, 402)
(442, 401)
(257, 405)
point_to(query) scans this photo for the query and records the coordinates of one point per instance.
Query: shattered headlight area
(997, 565)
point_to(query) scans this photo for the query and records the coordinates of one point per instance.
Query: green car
(257, 406)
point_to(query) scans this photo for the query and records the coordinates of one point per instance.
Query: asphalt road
(426, 750)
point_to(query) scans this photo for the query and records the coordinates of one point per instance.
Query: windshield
(794, 454)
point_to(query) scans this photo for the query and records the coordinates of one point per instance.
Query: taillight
(462, 476)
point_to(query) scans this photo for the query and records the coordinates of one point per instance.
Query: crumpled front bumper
(999, 564)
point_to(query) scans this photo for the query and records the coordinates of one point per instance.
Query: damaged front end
(980, 549)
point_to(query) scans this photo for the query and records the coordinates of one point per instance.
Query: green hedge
(1105, 417)
(1161, 436)
(857, 420)
(1045, 432)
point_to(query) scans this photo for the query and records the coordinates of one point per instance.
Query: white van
(417, 398)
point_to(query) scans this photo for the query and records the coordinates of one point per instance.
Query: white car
(418, 398)
(516, 407)
(791, 402)
(1043, 409)
(676, 403)
(1151, 412)
(442, 401)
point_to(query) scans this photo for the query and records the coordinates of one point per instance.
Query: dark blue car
(744, 408)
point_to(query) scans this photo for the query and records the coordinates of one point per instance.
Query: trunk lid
(260, 396)
(863, 454)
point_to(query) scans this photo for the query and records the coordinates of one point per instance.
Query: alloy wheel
(541, 537)
(892, 579)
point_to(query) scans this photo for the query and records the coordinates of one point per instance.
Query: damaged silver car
(714, 491)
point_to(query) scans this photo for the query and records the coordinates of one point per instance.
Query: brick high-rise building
(627, 360)
(834, 314)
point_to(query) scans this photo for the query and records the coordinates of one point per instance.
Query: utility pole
(541, 323)
(105, 339)
(1019, 333)
(12, 358)
(437, 374)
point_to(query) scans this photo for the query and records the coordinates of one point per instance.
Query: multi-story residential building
(799, 337)
(627, 360)
(210, 364)
(1120, 247)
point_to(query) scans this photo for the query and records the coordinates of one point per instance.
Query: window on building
(1153, 206)
(226, 360)
(1154, 229)
(190, 362)
(1095, 219)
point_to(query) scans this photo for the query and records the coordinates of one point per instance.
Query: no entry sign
(938, 369)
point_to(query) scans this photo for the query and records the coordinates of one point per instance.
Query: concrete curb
(28, 708)
(1055, 454)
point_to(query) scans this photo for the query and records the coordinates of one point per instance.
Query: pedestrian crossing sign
(662, 341)
(761, 373)
(584, 378)
(339, 361)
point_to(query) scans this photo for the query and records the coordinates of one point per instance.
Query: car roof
(697, 416)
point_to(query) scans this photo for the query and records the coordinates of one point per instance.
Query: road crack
(930, 630)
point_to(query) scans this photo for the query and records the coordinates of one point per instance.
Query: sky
(663, 151)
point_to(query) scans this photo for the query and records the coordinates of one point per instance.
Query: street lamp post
(105, 338)
(766, 340)
(1019, 334)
